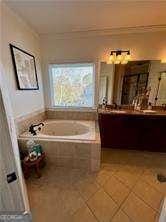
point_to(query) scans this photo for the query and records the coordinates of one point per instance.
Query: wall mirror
(120, 84)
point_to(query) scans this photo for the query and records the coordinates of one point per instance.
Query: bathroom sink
(117, 111)
(148, 111)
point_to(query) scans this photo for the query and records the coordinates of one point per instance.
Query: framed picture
(25, 69)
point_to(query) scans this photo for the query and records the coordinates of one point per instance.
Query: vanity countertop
(132, 112)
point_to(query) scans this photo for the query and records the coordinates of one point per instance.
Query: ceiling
(65, 16)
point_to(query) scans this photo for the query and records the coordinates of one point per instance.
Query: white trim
(107, 32)
(51, 94)
(81, 109)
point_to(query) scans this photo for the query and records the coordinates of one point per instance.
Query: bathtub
(65, 130)
(68, 143)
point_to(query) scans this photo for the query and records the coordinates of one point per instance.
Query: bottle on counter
(30, 144)
(104, 103)
(149, 106)
(34, 147)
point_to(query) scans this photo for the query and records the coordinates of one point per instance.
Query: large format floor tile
(150, 176)
(148, 194)
(129, 175)
(87, 186)
(137, 210)
(116, 189)
(121, 217)
(126, 189)
(102, 206)
(84, 215)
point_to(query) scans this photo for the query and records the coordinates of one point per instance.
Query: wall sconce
(119, 57)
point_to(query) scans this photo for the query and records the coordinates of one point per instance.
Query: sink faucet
(114, 105)
(164, 106)
(32, 129)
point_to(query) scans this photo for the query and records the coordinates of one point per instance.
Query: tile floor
(125, 190)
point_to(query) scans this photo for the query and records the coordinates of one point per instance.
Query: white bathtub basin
(65, 129)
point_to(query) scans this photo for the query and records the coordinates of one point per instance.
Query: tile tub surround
(23, 123)
(71, 114)
(79, 154)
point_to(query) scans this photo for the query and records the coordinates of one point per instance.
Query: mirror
(120, 84)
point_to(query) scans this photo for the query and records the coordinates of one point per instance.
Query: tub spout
(34, 127)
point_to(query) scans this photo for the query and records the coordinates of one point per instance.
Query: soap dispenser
(104, 103)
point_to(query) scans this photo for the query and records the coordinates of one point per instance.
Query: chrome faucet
(32, 129)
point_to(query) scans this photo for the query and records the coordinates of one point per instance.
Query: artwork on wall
(25, 69)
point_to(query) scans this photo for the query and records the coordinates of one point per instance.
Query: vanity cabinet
(129, 131)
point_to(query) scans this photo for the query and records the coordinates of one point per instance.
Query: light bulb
(119, 57)
(111, 59)
(124, 62)
(128, 57)
(109, 62)
(117, 61)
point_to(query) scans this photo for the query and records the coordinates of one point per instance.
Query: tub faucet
(32, 129)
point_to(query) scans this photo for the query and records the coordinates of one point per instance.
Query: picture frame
(25, 69)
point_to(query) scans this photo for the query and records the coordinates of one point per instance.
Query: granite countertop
(132, 112)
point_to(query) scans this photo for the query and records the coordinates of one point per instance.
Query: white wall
(148, 45)
(15, 31)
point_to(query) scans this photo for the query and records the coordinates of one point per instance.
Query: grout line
(140, 197)
(130, 191)
(145, 201)
(92, 212)
(90, 195)
(119, 205)
(104, 182)
(127, 215)
(152, 186)
(131, 188)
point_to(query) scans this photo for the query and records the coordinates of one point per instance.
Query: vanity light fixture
(163, 60)
(119, 57)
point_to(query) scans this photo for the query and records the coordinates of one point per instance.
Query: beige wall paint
(148, 45)
(15, 31)
(108, 71)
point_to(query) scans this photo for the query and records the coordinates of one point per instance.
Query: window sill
(74, 109)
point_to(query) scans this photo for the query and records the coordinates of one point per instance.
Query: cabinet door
(133, 132)
(154, 134)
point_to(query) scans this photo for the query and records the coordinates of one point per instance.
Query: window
(73, 85)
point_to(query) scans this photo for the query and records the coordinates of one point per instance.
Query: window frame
(72, 108)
